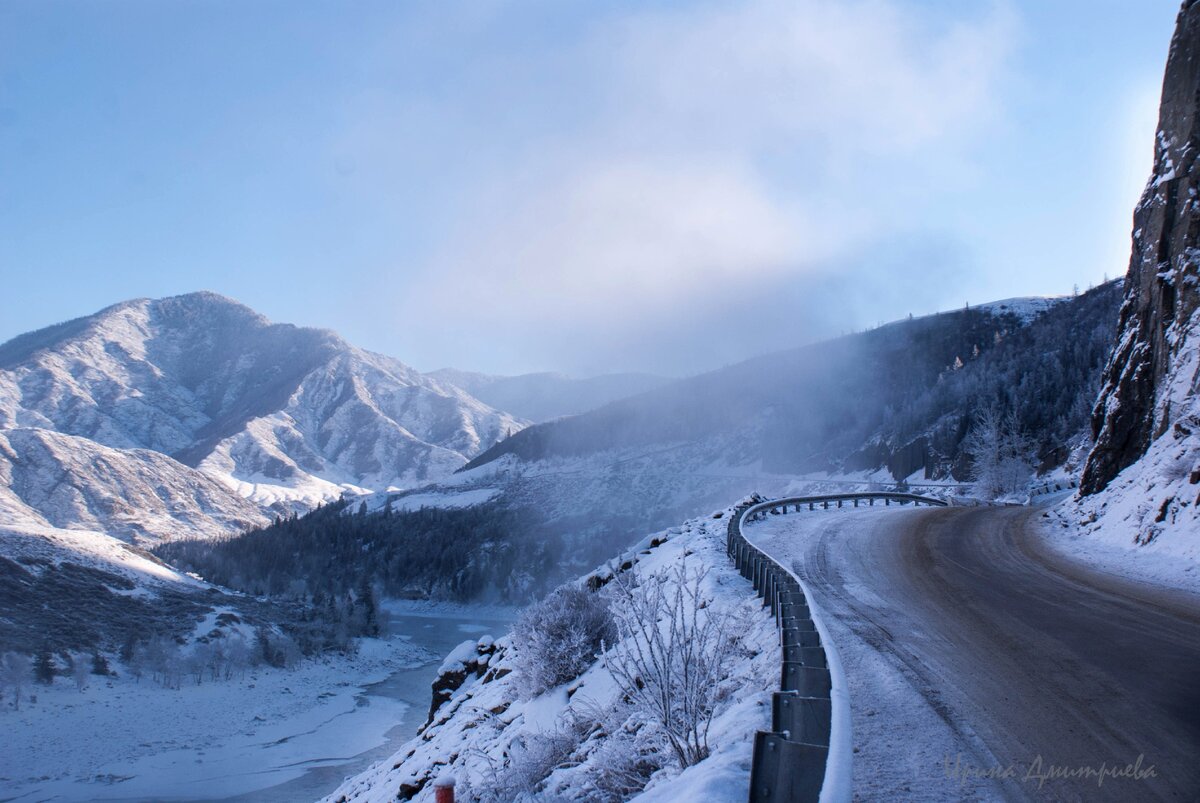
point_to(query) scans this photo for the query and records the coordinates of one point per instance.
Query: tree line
(337, 555)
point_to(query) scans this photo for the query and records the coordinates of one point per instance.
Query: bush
(675, 657)
(557, 638)
(531, 760)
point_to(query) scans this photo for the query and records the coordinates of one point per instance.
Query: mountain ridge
(287, 416)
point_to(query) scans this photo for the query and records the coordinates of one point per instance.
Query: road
(972, 650)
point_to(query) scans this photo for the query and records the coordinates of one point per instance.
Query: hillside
(508, 727)
(898, 397)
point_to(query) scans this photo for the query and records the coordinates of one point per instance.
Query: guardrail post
(765, 768)
(808, 681)
(802, 719)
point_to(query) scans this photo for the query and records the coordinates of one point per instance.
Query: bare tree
(674, 655)
(15, 670)
(1000, 453)
(79, 671)
(238, 657)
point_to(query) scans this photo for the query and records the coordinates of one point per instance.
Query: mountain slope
(900, 396)
(545, 396)
(138, 496)
(1150, 382)
(275, 411)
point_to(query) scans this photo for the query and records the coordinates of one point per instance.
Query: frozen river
(438, 631)
(271, 735)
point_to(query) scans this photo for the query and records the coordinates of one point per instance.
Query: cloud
(716, 146)
(623, 232)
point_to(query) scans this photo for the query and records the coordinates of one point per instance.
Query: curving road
(972, 650)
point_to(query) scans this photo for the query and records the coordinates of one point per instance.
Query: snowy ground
(125, 740)
(1146, 523)
(487, 722)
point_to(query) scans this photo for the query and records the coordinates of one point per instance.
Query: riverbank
(124, 740)
(272, 735)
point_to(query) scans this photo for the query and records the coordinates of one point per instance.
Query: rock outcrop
(1149, 383)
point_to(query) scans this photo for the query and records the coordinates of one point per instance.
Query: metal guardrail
(789, 761)
(1054, 487)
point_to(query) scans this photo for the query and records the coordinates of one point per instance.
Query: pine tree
(100, 664)
(43, 667)
(127, 649)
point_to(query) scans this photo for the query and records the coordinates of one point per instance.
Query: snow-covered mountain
(545, 396)
(163, 417)
(48, 479)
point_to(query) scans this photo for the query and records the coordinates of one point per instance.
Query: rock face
(1148, 383)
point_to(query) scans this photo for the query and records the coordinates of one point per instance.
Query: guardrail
(1054, 487)
(790, 761)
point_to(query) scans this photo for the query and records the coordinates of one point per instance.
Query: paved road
(1017, 653)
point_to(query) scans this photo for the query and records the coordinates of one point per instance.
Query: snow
(138, 740)
(459, 656)
(434, 498)
(1024, 307)
(484, 724)
(29, 543)
(1146, 523)
(105, 399)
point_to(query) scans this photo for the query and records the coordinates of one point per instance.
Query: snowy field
(122, 740)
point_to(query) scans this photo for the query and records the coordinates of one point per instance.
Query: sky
(582, 187)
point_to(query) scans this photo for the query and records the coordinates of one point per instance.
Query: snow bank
(1147, 521)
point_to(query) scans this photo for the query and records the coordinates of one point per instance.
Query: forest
(491, 551)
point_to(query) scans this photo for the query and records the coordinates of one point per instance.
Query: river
(436, 630)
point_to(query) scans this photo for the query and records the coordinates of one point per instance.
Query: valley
(599, 403)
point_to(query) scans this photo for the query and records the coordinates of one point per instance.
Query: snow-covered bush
(675, 655)
(560, 636)
(630, 751)
(530, 762)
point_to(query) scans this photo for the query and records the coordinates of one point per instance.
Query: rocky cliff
(1150, 381)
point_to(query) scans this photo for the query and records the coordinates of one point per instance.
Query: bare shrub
(559, 637)
(530, 761)
(628, 754)
(674, 657)
(80, 671)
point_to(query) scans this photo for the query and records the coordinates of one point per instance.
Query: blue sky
(523, 186)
